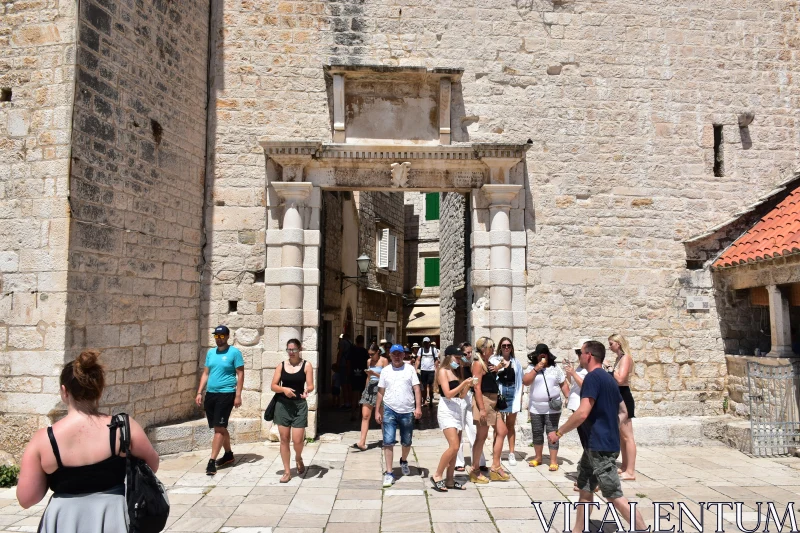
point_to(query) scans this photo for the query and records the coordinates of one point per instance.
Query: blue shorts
(392, 421)
(508, 392)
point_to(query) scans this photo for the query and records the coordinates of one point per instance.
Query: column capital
(296, 192)
(500, 195)
(292, 156)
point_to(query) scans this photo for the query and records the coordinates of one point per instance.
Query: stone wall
(453, 234)
(37, 83)
(136, 194)
(620, 115)
(378, 209)
(422, 240)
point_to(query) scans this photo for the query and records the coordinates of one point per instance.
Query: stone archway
(297, 172)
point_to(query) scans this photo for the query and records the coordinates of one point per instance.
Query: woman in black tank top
(292, 385)
(86, 497)
(484, 414)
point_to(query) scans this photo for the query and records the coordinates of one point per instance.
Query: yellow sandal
(534, 463)
(553, 467)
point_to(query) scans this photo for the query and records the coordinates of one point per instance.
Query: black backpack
(148, 505)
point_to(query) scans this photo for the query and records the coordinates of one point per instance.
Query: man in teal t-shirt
(223, 378)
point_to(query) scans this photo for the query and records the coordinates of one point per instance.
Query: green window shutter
(432, 206)
(431, 271)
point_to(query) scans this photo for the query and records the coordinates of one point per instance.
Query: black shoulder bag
(148, 504)
(269, 412)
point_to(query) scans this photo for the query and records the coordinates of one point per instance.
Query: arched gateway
(370, 156)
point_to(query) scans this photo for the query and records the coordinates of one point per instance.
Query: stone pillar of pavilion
(779, 325)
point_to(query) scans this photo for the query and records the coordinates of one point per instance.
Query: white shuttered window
(387, 250)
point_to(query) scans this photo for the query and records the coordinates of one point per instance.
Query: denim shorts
(508, 392)
(392, 421)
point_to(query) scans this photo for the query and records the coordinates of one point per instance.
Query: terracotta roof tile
(776, 234)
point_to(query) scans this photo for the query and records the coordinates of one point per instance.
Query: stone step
(676, 431)
(196, 435)
(649, 431)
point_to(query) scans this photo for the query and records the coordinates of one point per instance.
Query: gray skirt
(97, 512)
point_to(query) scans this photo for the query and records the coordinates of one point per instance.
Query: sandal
(301, 468)
(457, 486)
(478, 478)
(535, 462)
(439, 486)
(553, 467)
(359, 448)
(627, 477)
(498, 475)
(286, 478)
(460, 469)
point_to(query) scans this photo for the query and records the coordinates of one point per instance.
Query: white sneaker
(404, 468)
(512, 459)
(388, 480)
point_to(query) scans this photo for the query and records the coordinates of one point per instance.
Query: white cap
(426, 339)
(383, 341)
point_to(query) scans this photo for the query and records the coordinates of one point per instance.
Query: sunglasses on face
(505, 346)
(220, 336)
(292, 350)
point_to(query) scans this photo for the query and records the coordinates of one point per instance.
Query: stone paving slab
(341, 492)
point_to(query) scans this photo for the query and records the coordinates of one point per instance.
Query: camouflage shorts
(600, 468)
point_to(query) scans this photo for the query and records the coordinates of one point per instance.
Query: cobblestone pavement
(341, 491)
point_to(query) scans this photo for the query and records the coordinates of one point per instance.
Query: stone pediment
(377, 104)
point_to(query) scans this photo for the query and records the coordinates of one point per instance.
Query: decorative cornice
(475, 152)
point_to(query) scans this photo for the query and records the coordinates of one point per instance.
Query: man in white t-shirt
(398, 391)
(427, 364)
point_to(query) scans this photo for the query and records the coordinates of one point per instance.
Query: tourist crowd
(81, 457)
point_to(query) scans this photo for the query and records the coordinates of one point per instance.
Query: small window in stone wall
(432, 206)
(719, 161)
(5, 94)
(233, 305)
(431, 271)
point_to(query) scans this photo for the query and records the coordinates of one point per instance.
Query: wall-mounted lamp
(363, 268)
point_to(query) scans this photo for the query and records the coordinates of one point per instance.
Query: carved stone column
(500, 278)
(779, 323)
(293, 196)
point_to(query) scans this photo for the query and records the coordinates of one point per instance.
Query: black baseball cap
(453, 350)
(222, 330)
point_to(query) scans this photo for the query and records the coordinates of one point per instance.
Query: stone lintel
(296, 192)
(453, 74)
(500, 195)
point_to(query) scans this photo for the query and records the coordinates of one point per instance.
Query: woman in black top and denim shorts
(293, 382)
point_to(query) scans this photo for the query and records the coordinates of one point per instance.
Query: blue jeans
(391, 421)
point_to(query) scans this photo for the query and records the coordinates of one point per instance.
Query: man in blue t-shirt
(597, 419)
(224, 375)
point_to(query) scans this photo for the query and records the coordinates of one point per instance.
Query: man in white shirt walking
(427, 364)
(398, 391)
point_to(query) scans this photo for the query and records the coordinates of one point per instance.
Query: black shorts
(627, 397)
(426, 377)
(218, 406)
(358, 380)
